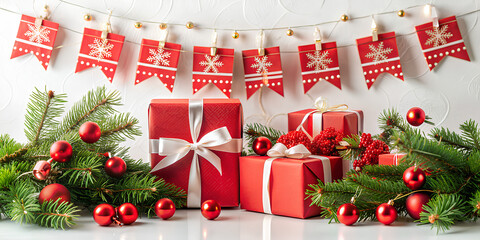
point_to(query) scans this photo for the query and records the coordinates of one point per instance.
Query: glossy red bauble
(164, 208)
(90, 132)
(386, 213)
(415, 116)
(61, 151)
(53, 192)
(414, 179)
(415, 203)
(211, 209)
(104, 214)
(127, 213)
(348, 214)
(42, 170)
(261, 145)
(115, 167)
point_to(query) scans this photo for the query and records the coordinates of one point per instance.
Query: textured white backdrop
(450, 94)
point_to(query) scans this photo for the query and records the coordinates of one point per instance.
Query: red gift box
(289, 178)
(389, 159)
(348, 122)
(196, 144)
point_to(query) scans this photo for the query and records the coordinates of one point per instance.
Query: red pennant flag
(217, 69)
(437, 43)
(37, 39)
(157, 61)
(98, 52)
(379, 57)
(263, 70)
(319, 64)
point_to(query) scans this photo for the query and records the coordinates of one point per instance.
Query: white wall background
(450, 94)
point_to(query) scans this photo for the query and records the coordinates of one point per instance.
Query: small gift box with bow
(196, 144)
(313, 121)
(390, 159)
(276, 184)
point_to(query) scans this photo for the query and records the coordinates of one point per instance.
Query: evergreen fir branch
(446, 183)
(471, 133)
(82, 169)
(10, 172)
(119, 127)
(99, 191)
(20, 202)
(8, 146)
(473, 162)
(42, 110)
(97, 103)
(353, 150)
(255, 130)
(9, 157)
(57, 215)
(393, 173)
(451, 138)
(475, 204)
(443, 211)
(390, 119)
(380, 187)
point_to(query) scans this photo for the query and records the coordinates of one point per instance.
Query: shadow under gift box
(169, 118)
(289, 180)
(346, 122)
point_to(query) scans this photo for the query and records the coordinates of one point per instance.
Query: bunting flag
(379, 57)
(442, 41)
(263, 70)
(319, 64)
(217, 69)
(98, 52)
(36, 37)
(158, 61)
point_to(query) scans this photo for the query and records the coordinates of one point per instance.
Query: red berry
(294, 138)
(325, 142)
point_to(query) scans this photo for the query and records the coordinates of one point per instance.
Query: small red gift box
(283, 193)
(389, 159)
(196, 144)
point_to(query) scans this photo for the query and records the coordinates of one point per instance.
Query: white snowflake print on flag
(217, 69)
(437, 43)
(318, 65)
(96, 52)
(379, 57)
(35, 39)
(263, 70)
(211, 64)
(157, 61)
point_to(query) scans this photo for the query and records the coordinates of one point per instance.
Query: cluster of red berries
(369, 156)
(294, 138)
(325, 142)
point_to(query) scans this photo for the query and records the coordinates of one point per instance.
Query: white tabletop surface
(235, 224)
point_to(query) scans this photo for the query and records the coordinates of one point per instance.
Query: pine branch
(471, 133)
(255, 130)
(9, 157)
(446, 136)
(10, 172)
(20, 202)
(120, 126)
(82, 169)
(57, 215)
(42, 110)
(442, 211)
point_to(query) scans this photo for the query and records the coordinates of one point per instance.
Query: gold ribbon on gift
(321, 106)
(175, 149)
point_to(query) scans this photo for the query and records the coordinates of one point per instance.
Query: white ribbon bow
(280, 150)
(175, 149)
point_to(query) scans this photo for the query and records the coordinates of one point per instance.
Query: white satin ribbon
(175, 149)
(321, 106)
(279, 150)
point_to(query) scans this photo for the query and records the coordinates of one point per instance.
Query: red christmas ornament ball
(42, 170)
(115, 167)
(386, 213)
(61, 151)
(415, 203)
(53, 192)
(164, 208)
(211, 209)
(261, 145)
(103, 214)
(348, 214)
(415, 116)
(414, 179)
(127, 213)
(90, 132)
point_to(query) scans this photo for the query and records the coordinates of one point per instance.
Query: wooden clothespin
(163, 38)
(107, 28)
(39, 20)
(317, 37)
(213, 50)
(431, 12)
(374, 30)
(261, 50)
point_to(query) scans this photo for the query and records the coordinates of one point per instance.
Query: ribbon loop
(280, 150)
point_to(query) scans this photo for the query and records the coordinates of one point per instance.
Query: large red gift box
(289, 178)
(348, 122)
(206, 168)
(390, 159)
